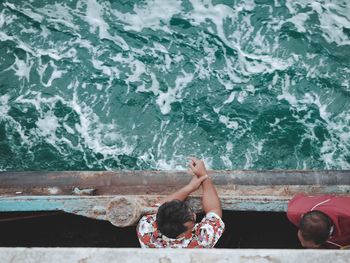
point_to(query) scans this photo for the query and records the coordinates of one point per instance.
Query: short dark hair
(315, 226)
(172, 216)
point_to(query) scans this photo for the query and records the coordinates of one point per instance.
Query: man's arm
(185, 191)
(210, 199)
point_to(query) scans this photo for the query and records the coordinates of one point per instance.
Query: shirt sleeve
(294, 212)
(302, 203)
(209, 230)
(145, 230)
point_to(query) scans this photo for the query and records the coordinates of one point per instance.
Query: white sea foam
(138, 68)
(298, 20)
(337, 144)
(68, 128)
(230, 124)
(229, 146)
(203, 66)
(333, 18)
(59, 14)
(153, 14)
(165, 99)
(227, 162)
(4, 107)
(12, 126)
(254, 54)
(27, 12)
(242, 95)
(91, 133)
(332, 24)
(105, 69)
(247, 63)
(286, 94)
(56, 73)
(252, 153)
(226, 158)
(2, 18)
(230, 98)
(55, 54)
(22, 68)
(99, 137)
(172, 164)
(47, 125)
(94, 16)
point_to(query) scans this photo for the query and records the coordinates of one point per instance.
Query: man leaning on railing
(174, 224)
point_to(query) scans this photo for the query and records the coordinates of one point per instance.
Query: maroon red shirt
(336, 207)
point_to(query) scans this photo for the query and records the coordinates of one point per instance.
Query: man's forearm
(210, 199)
(180, 194)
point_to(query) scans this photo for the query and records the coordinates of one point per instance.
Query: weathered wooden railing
(122, 196)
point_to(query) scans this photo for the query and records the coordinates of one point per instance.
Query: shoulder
(294, 211)
(147, 224)
(302, 203)
(296, 198)
(146, 229)
(213, 218)
(209, 230)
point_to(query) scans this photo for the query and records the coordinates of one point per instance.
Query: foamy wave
(94, 16)
(56, 73)
(334, 17)
(165, 99)
(153, 14)
(335, 148)
(224, 66)
(252, 153)
(4, 107)
(47, 125)
(248, 63)
(88, 133)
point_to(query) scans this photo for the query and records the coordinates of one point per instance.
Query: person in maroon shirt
(323, 221)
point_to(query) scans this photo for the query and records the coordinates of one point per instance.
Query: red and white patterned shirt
(204, 234)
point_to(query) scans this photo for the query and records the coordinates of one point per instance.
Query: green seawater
(95, 85)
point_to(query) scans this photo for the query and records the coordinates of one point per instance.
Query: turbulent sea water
(95, 85)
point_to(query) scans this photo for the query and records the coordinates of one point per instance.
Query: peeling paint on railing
(121, 197)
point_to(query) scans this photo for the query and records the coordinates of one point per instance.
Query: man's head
(314, 229)
(175, 218)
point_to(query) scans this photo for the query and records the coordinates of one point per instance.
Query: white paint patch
(53, 190)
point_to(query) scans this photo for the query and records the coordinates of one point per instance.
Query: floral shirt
(204, 234)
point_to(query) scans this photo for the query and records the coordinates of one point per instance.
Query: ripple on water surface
(144, 84)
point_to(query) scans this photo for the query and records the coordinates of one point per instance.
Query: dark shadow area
(243, 230)
(258, 230)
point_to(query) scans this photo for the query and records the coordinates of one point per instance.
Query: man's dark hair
(172, 216)
(315, 226)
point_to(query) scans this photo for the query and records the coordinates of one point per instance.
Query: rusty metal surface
(163, 182)
(113, 195)
(126, 210)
